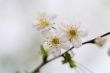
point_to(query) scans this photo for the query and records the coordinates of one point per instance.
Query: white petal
(37, 27)
(46, 32)
(51, 23)
(52, 16)
(62, 27)
(77, 43)
(83, 33)
(57, 53)
(72, 53)
(42, 14)
(66, 46)
(46, 46)
(63, 38)
(54, 51)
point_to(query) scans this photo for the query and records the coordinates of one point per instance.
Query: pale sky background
(19, 40)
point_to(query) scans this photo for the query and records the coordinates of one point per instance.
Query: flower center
(43, 22)
(72, 32)
(55, 41)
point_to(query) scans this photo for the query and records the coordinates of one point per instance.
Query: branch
(45, 62)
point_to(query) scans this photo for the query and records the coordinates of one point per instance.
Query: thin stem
(44, 63)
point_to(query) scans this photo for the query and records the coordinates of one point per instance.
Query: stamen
(72, 32)
(43, 22)
(55, 41)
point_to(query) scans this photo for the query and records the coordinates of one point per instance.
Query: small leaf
(68, 59)
(43, 52)
(72, 64)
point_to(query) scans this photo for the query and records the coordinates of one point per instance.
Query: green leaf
(68, 59)
(72, 64)
(43, 52)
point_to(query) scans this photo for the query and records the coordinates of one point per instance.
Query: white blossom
(44, 21)
(73, 33)
(55, 42)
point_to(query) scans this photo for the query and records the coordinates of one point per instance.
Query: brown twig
(45, 61)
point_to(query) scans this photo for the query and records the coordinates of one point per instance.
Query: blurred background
(19, 41)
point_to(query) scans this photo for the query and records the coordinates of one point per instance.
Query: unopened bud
(100, 41)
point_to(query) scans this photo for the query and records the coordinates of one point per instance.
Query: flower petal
(62, 27)
(72, 53)
(83, 33)
(45, 45)
(37, 27)
(63, 37)
(52, 16)
(46, 32)
(66, 46)
(77, 43)
(54, 51)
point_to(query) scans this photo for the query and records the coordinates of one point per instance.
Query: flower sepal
(68, 59)
(43, 52)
